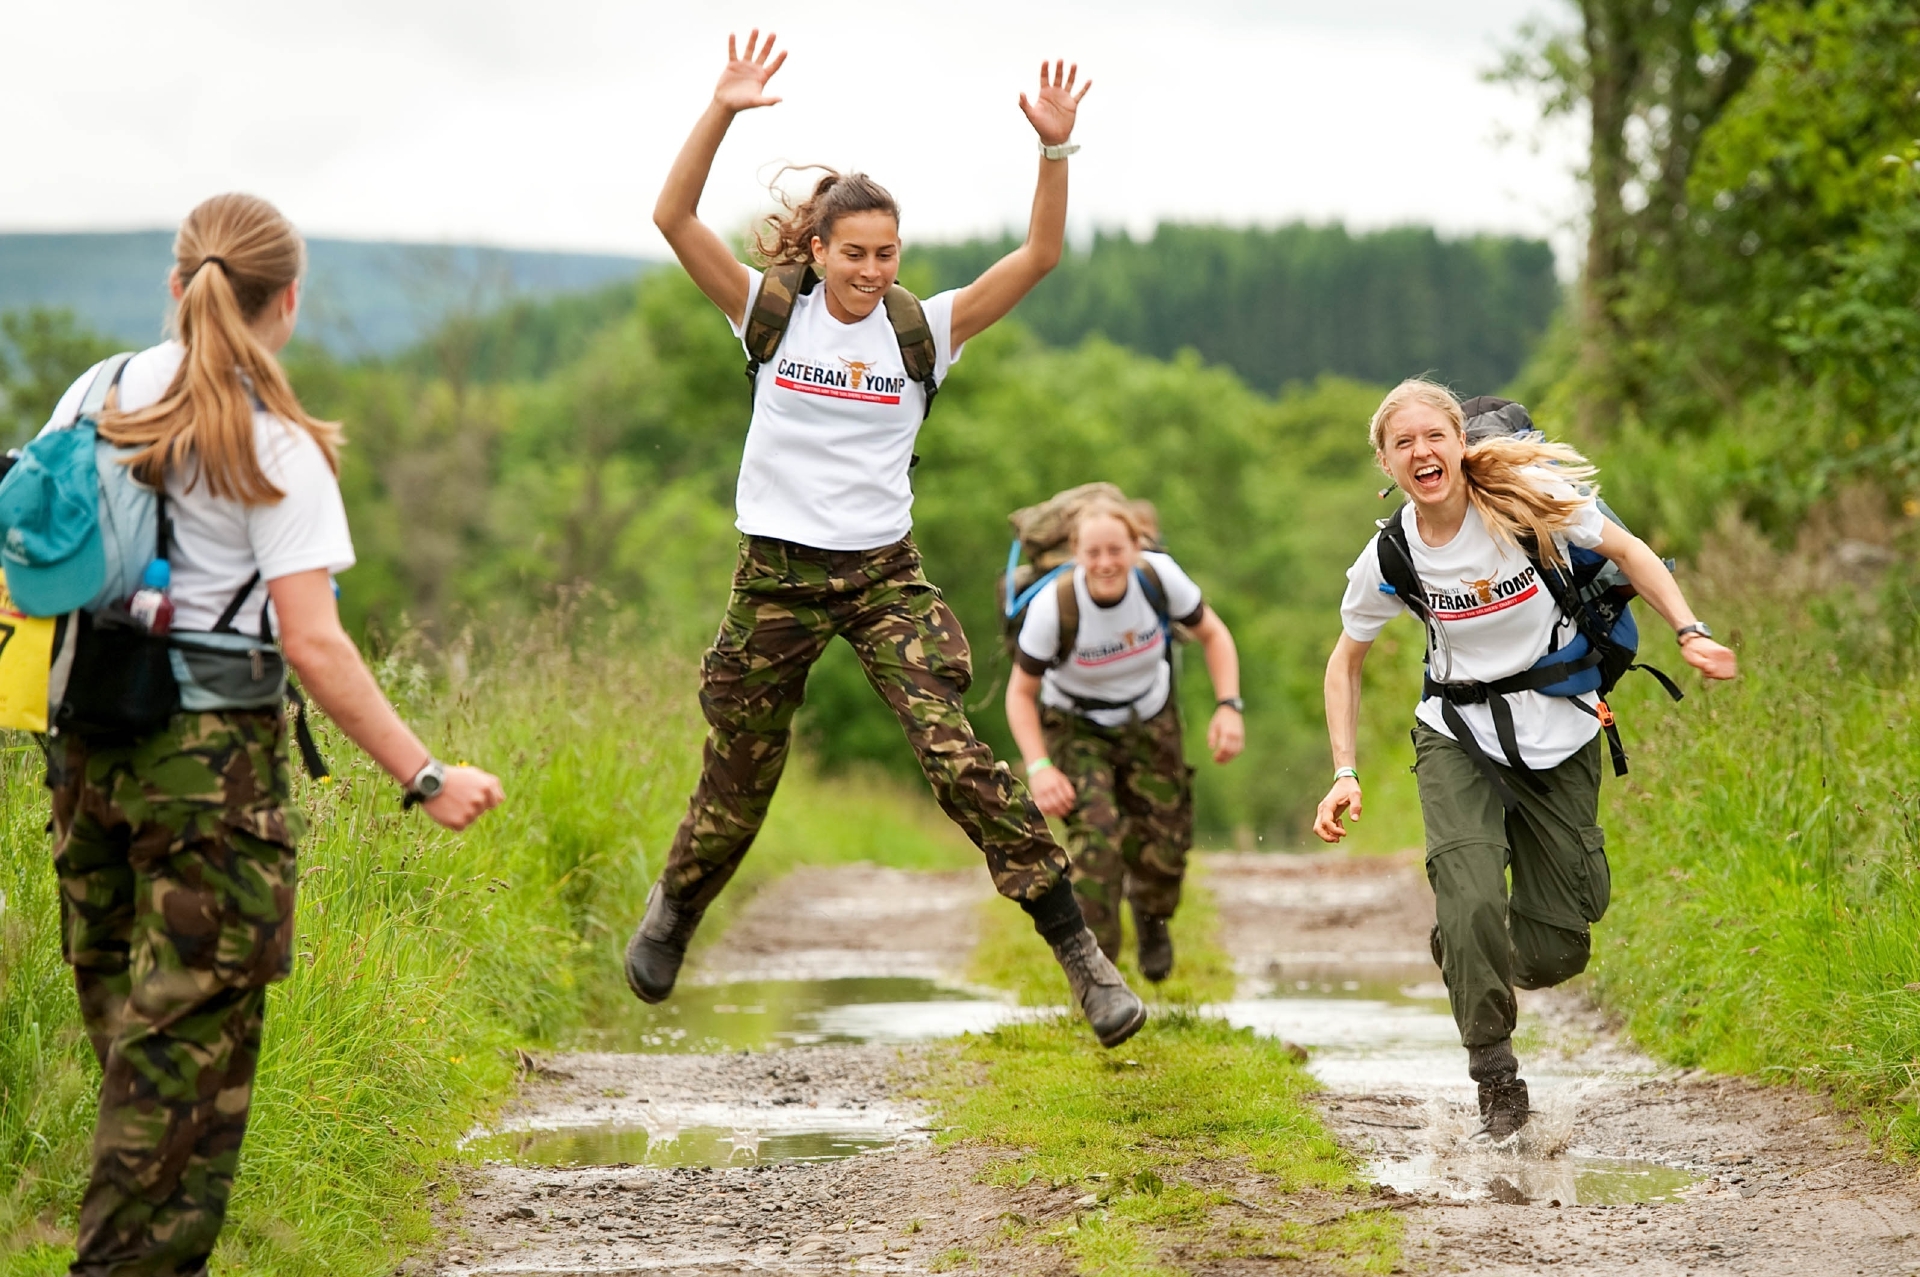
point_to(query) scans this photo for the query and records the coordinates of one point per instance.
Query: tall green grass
(424, 958)
(1766, 850)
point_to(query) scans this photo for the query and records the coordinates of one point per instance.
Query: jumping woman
(844, 366)
(1099, 726)
(175, 849)
(1509, 780)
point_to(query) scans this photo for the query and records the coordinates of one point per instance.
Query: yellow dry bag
(26, 654)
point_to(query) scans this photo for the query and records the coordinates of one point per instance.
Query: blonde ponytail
(1513, 503)
(234, 254)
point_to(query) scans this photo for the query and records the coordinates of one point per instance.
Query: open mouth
(866, 288)
(1427, 478)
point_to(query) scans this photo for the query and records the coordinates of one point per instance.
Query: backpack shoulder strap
(1069, 601)
(1396, 565)
(915, 335)
(102, 385)
(772, 310)
(1155, 592)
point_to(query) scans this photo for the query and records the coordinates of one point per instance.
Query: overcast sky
(550, 125)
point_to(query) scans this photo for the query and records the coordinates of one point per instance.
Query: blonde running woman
(1509, 780)
(175, 849)
(1094, 713)
(844, 367)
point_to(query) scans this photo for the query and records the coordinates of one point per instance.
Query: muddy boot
(1113, 1009)
(1503, 1096)
(659, 946)
(1156, 946)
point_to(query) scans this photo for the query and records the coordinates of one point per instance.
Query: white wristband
(1059, 152)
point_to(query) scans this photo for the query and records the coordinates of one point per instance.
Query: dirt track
(1786, 1187)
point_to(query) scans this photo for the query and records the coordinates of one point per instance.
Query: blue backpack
(1590, 590)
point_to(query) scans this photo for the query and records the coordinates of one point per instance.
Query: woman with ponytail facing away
(175, 849)
(1509, 779)
(844, 366)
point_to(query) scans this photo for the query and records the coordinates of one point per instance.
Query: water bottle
(150, 606)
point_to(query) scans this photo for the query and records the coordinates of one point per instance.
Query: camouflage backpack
(772, 310)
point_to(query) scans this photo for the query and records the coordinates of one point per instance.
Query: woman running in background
(1102, 744)
(845, 365)
(1491, 618)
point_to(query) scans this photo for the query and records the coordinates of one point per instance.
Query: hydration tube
(1014, 604)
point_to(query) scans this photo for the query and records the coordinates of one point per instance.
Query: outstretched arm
(1657, 586)
(1227, 733)
(987, 299)
(1343, 733)
(743, 86)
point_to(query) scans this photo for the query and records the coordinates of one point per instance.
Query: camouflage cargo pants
(788, 603)
(1132, 819)
(177, 874)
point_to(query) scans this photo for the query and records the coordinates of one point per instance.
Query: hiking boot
(1156, 946)
(1503, 1110)
(659, 946)
(1113, 1009)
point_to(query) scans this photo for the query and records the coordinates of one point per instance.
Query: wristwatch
(1059, 151)
(1698, 627)
(1233, 703)
(425, 785)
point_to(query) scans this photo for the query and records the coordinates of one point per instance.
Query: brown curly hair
(788, 235)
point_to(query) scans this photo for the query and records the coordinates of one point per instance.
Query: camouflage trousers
(1132, 819)
(176, 861)
(788, 603)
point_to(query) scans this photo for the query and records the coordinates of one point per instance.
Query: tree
(44, 351)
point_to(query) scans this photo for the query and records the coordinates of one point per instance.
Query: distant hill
(1291, 303)
(362, 298)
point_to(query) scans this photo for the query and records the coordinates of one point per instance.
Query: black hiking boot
(1156, 946)
(1115, 1011)
(1503, 1096)
(659, 946)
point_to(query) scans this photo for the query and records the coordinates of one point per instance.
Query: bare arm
(987, 299)
(1052, 791)
(1227, 733)
(1343, 734)
(330, 667)
(1656, 585)
(704, 254)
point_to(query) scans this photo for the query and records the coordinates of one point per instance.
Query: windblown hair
(1503, 479)
(234, 254)
(788, 236)
(1128, 513)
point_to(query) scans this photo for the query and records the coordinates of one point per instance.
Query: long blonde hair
(234, 254)
(1512, 503)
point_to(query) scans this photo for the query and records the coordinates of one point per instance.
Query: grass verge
(1766, 850)
(1157, 1141)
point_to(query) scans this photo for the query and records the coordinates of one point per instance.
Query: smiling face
(1422, 449)
(860, 262)
(1105, 547)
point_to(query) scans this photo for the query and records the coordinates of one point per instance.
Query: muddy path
(762, 1122)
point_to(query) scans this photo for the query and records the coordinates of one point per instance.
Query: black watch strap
(1233, 703)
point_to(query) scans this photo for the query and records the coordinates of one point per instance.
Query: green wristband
(1038, 765)
(1344, 773)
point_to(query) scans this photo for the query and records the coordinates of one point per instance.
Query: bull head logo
(1484, 589)
(857, 371)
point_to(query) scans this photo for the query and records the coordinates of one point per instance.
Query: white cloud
(551, 125)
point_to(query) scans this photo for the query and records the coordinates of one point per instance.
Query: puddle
(764, 1014)
(1373, 1036)
(696, 1146)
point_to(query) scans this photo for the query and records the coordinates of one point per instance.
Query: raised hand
(743, 85)
(1052, 112)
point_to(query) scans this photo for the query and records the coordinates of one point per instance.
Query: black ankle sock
(1056, 915)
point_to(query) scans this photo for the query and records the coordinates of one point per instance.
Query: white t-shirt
(1119, 649)
(1494, 618)
(218, 543)
(834, 420)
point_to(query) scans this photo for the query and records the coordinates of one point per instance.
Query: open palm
(1052, 112)
(743, 85)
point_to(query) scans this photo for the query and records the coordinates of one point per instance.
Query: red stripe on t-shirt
(833, 392)
(1490, 608)
(1118, 656)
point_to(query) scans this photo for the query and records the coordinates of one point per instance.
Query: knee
(1545, 955)
(735, 697)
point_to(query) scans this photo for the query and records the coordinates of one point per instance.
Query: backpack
(1042, 532)
(103, 673)
(1590, 590)
(782, 285)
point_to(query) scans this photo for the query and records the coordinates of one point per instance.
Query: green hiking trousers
(1537, 935)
